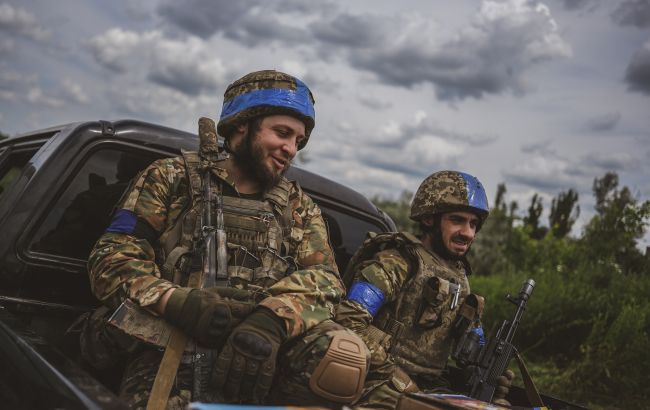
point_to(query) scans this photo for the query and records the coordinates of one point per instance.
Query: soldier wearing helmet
(409, 296)
(282, 280)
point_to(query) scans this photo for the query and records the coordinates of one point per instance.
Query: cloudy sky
(542, 95)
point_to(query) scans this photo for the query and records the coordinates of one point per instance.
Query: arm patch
(368, 295)
(127, 222)
(123, 222)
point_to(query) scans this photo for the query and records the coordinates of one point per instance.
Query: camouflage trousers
(296, 362)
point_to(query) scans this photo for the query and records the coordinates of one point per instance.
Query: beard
(249, 156)
(438, 244)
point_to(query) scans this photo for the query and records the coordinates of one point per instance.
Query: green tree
(489, 248)
(564, 213)
(399, 210)
(3, 136)
(620, 221)
(532, 219)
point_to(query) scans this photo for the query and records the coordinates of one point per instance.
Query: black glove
(503, 388)
(205, 314)
(245, 367)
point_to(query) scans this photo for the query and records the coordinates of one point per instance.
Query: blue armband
(127, 222)
(123, 222)
(368, 295)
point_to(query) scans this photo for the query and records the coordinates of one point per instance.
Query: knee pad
(341, 373)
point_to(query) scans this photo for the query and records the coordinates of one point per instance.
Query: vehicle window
(12, 166)
(347, 233)
(82, 213)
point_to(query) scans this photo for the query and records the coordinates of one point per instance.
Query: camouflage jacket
(128, 265)
(413, 327)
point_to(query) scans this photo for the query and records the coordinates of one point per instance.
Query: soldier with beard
(409, 298)
(282, 281)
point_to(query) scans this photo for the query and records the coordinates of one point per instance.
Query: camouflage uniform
(124, 266)
(283, 253)
(404, 307)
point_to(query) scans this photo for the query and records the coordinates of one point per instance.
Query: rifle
(209, 154)
(215, 257)
(486, 362)
(212, 244)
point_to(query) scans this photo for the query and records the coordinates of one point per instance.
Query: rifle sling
(531, 391)
(166, 374)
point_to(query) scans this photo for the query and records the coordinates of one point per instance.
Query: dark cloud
(249, 22)
(605, 122)
(539, 148)
(390, 165)
(374, 103)
(602, 163)
(187, 65)
(256, 30)
(427, 126)
(182, 78)
(203, 18)
(544, 183)
(637, 74)
(18, 21)
(578, 4)
(549, 172)
(489, 56)
(352, 31)
(633, 13)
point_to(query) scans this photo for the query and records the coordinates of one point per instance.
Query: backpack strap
(279, 197)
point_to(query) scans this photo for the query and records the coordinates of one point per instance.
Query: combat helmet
(266, 92)
(448, 191)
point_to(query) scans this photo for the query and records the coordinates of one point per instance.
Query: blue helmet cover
(476, 196)
(299, 100)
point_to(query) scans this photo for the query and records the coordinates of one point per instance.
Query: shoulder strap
(374, 243)
(279, 197)
(192, 165)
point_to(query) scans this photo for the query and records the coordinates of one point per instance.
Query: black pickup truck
(57, 190)
(58, 187)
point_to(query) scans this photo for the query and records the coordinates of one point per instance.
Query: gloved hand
(503, 388)
(207, 315)
(246, 365)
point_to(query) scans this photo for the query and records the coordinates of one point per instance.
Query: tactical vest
(420, 326)
(261, 237)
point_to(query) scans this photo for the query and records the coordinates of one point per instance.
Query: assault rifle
(213, 247)
(484, 363)
(215, 257)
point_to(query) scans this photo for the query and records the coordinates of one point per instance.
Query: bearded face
(266, 151)
(452, 233)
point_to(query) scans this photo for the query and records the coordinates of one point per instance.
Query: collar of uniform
(280, 190)
(223, 175)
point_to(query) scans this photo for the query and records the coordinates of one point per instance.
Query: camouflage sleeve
(312, 235)
(307, 296)
(388, 270)
(122, 263)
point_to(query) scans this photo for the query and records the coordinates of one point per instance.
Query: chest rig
(260, 244)
(433, 306)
